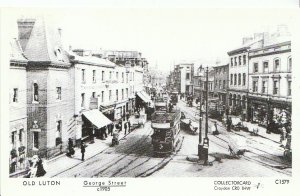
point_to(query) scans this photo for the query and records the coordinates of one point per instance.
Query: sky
(165, 36)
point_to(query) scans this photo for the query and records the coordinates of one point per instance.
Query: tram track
(123, 156)
(278, 166)
(97, 154)
(251, 159)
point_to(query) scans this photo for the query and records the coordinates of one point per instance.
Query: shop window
(15, 95)
(276, 65)
(58, 133)
(255, 67)
(266, 67)
(275, 87)
(36, 140)
(94, 76)
(35, 92)
(58, 93)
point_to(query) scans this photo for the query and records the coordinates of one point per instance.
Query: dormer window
(58, 54)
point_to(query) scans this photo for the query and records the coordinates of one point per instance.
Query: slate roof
(16, 53)
(44, 44)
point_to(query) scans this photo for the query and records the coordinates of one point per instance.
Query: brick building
(50, 89)
(17, 108)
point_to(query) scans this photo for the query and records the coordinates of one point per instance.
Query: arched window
(239, 79)
(35, 92)
(276, 66)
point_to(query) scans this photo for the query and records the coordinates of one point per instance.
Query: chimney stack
(25, 27)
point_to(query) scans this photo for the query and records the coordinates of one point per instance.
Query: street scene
(83, 109)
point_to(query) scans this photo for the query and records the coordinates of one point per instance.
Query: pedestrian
(110, 129)
(214, 129)
(127, 115)
(125, 127)
(104, 132)
(129, 126)
(83, 146)
(71, 150)
(229, 122)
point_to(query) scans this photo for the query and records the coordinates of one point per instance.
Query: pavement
(261, 130)
(62, 162)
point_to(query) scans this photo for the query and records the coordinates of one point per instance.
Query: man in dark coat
(229, 122)
(83, 146)
(125, 127)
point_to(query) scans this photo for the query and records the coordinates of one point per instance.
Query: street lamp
(206, 140)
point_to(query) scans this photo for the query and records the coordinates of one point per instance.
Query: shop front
(93, 121)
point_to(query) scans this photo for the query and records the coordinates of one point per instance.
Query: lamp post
(206, 140)
(200, 146)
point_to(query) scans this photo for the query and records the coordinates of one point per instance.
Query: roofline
(238, 50)
(271, 46)
(91, 63)
(50, 64)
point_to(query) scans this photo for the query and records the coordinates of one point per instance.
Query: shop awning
(97, 118)
(143, 97)
(146, 95)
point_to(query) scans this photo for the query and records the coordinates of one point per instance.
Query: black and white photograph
(148, 93)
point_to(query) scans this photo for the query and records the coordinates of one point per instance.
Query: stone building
(238, 75)
(50, 89)
(270, 81)
(17, 108)
(200, 83)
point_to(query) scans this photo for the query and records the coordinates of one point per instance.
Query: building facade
(17, 108)
(221, 78)
(50, 89)
(184, 74)
(238, 75)
(200, 83)
(270, 83)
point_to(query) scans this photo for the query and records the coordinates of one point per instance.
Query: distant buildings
(256, 84)
(183, 78)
